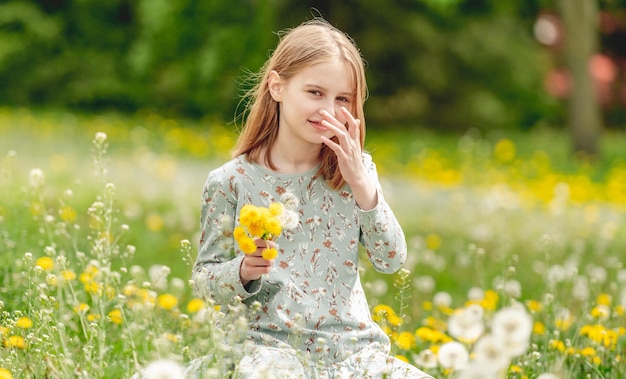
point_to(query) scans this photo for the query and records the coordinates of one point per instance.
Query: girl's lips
(318, 125)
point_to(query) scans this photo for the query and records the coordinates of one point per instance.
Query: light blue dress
(314, 320)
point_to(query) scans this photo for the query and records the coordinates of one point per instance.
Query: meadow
(515, 269)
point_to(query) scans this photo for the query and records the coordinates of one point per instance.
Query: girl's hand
(254, 265)
(349, 156)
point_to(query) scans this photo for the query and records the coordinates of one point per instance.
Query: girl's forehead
(333, 74)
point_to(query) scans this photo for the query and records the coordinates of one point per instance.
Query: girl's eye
(343, 99)
(315, 92)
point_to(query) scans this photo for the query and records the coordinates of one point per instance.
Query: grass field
(516, 249)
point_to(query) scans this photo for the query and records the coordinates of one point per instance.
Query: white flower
(289, 200)
(490, 351)
(36, 177)
(453, 355)
(467, 323)
(477, 370)
(476, 293)
(513, 326)
(442, 300)
(424, 283)
(163, 369)
(101, 137)
(426, 359)
(158, 276)
(289, 219)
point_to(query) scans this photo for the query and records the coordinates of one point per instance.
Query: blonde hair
(308, 44)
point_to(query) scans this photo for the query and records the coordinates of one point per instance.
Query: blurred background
(447, 65)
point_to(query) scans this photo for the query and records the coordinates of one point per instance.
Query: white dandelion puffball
(163, 369)
(453, 355)
(467, 323)
(513, 325)
(491, 352)
(36, 178)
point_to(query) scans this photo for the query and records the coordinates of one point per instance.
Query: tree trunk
(580, 19)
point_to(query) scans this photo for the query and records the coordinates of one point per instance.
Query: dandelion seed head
(426, 359)
(490, 352)
(442, 299)
(163, 369)
(424, 284)
(453, 355)
(100, 137)
(36, 178)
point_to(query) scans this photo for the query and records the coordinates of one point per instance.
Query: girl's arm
(381, 233)
(215, 274)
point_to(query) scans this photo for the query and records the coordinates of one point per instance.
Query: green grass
(508, 214)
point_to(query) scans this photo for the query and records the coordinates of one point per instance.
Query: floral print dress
(313, 314)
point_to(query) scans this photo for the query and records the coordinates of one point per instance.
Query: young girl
(302, 145)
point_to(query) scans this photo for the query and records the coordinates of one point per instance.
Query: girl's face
(324, 86)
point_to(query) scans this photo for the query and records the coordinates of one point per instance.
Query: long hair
(310, 43)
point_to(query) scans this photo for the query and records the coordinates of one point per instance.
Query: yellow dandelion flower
(17, 342)
(167, 301)
(604, 299)
(129, 290)
(81, 308)
(3, 331)
(515, 369)
(154, 222)
(52, 280)
(381, 312)
(67, 213)
(238, 233)
(93, 317)
(405, 340)
(256, 229)
(247, 245)
(619, 310)
(273, 227)
(269, 253)
(504, 151)
(588, 352)
(116, 316)
(433, 241)
(45, 263)
(427, 305)
(534, 306)
(68, 275)
(5, 374)
(276, 209)
(539, 328)
(557, 345)
(24, 323)
(195, 305)
(146, 297)
(93, 288)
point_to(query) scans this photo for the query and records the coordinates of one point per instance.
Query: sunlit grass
(93, 270)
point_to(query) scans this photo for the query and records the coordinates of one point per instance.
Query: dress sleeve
(215, 274)
(381, 233)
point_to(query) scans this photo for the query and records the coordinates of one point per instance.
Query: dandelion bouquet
(259, 222)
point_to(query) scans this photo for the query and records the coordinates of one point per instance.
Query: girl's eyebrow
(317, 86)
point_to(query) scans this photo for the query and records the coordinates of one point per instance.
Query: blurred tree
(580, 19)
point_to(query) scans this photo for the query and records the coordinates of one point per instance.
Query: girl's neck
(292, 159)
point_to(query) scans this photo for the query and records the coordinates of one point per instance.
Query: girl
(302, 145)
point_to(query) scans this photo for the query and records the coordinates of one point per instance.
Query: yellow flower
(45, 263)
(195, 305)
(402, 358)
(15, 341)
(557, 345)
(269, 253)
(167, 301)
(539, 328)
(433, 241)
(68, 275)
(405, 340)
(24, 323)
(504, 150)
(67, 213)
(257, 222)
(604, 299)
(5, 374)
(276, 209)
(81, 308)
(247, 245)
(93, 317)
(116, 316)
(534, 306)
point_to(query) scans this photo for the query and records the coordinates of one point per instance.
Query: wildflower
(67, 213)
(163, 369)
(15, 341)
(116, 316)
(24, 323)
(167, 301)
(513, 326)
(467, 323)
(489, 350)
(81, 308)
(426, 359)
(504, 151)
(442, 300)
(5, 374)
(36, 178)
(195, 305)
(100, 138)
(405, 340)
(45, 263)
(258, 222)
(453, 355)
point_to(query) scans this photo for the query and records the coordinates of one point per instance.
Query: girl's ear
(275, 86)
